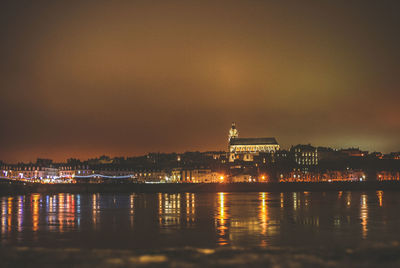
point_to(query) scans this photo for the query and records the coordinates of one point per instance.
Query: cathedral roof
(253, 141)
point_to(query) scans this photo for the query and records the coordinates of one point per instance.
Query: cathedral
(246, 148)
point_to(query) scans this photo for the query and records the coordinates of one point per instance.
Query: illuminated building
(28, 171)
(243, 178)
(305, 155)
(150, 175)
(194, 175)
(388, 175)
(66, 171)
(300, 176)
(246, 148)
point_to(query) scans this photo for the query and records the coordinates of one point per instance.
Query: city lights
(200, 133)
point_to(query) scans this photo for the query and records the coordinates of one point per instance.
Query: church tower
(233, 132)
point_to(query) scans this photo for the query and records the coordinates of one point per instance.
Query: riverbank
(7, 188)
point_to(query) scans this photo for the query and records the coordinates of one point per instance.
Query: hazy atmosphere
(127, 78)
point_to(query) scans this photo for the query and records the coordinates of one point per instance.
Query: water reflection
(20, 218)
(131, 209)
(3, 216)
(263, 217)
(348, 199)
(222, 220)
(207, 219)
(380, 197)
(169, 210)
(95, 211)
(176, 210)
(364, 215)
(306, 198)
(51, 206)
(190, 208)
(35, 199)
(295, 201)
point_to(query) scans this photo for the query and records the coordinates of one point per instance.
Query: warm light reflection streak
(364, 215)
(221, 223)
(35, 211)
(263, 217)
(380, 197)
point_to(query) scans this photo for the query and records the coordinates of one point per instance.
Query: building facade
(246, 148)
(194, 175)
(305, 155)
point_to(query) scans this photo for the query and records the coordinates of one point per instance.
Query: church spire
(233, 132)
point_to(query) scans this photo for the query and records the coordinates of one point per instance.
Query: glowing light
(221, 222)
(35, 211)
(4, 214)
(364, 215)
(221, 179)
(20, 213)
(380, 197)
(263, 217)
(10, 206)
(348, 199)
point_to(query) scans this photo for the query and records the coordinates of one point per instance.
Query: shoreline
(8, 188)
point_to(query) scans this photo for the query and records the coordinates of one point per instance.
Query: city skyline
(63, 157)
(225, 150)
(131, 78)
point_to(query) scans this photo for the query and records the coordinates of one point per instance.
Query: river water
(207, 222)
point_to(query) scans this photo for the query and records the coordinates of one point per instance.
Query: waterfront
(200, 220)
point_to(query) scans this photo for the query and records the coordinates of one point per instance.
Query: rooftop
(253, 141)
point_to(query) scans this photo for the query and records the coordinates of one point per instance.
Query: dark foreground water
(263, 229)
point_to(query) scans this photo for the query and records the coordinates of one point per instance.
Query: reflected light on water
(61, 213)
(20, 218)
(35, 199)
(263, 217)
(306, 199)
(222, 227)
(169, 210)
(131, 209)
(9, 212)
(3, 216)
(295, 201)
(71, 210)
(348, 199)
(160, 208)
(95, 211)
(380, 197)
(364, 215)
(78, 209)
(51, 212)
(190, 208)
(209, 219)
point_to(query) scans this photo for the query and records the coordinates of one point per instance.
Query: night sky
(86, 78)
